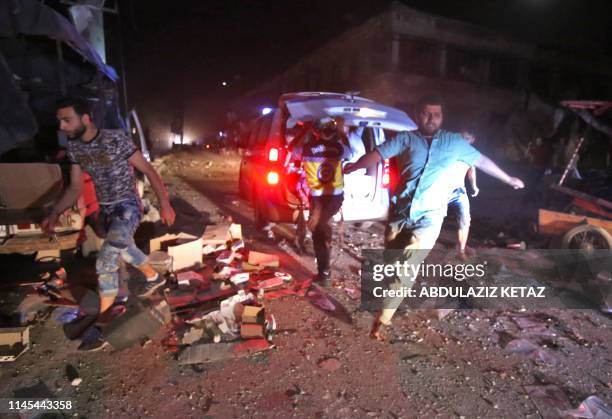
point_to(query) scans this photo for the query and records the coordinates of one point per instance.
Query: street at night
(258, 209)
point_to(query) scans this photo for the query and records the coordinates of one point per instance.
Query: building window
(419, 56)
(504, 71)
(465, 65)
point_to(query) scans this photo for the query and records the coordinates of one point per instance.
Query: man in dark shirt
(110, 157)
(426, 159)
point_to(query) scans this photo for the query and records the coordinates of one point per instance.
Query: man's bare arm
(490, 168)
(69, 198)
(471, 175)
(367, 160)
(167, 212)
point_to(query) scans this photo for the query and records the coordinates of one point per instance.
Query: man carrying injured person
(109, 157)
(322, 155)
(426, 159)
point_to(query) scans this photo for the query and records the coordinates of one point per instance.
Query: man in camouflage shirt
(110, 157)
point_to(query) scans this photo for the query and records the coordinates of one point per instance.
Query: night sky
(181, 55)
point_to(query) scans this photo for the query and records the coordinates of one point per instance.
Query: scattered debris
(263, 259)
(591, 408)
(14, 341)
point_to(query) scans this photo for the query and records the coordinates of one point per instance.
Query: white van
(267, 179)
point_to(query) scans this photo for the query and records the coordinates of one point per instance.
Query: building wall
(402, 54)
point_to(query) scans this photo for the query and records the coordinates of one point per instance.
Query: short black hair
(434, 100)
(80, 105)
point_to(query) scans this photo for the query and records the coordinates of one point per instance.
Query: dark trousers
(322, 210)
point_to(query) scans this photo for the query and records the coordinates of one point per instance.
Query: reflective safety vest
(322, 162)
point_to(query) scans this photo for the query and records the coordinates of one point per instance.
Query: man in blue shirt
(426, 160)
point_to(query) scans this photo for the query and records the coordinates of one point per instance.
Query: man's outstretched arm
(367, 160)
(167, 212)
(68, 199)
(490, 168)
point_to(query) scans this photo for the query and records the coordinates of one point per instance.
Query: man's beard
(77, 133)
(429, 130)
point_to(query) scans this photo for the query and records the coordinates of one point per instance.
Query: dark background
(179, 53)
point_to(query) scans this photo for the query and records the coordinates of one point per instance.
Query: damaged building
(507, 90)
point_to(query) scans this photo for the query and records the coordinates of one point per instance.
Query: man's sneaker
(92, 340)
(151, 285)
(323, 279)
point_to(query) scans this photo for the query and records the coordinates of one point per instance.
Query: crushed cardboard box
(220, 234)
(13, 342)
(263, 259)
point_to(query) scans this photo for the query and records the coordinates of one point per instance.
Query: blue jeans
(120, 221)
(459, 204)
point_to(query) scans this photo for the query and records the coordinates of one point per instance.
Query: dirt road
(322, 365)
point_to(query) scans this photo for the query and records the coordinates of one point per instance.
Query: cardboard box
(253, 314)
(263, 259)
(239, 278)
(13, 342)
(162, 242)
(269, 283)
(221, 233)
(186, 255)
(226, 256)
(252, 330)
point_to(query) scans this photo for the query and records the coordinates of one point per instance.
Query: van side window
(264, 132)
(253, 134)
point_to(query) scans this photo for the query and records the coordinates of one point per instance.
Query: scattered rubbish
(211, 352)
(206, 352)
(53, 284)
(14, 341)
(226, 257)
(248, 331)
(516, 245)
(591, 408)
(263, 259)
(237, 245)
(220, 234)
(209, 249)
(267, 284)
(162, 242)
(239, 278)
(76, 382)
(138, 322)
(193, 335)
(186, 255)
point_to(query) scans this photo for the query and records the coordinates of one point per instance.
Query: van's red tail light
(273, 154)
(272, 178)
(386, 177)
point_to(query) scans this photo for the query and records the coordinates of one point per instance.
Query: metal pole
(571, 162)
(60, 67)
